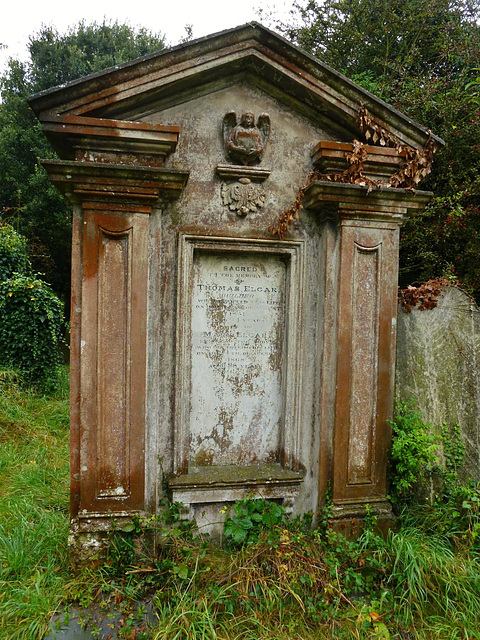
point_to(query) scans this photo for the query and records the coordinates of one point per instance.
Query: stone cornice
(91, 139)
(380, 163)
(357, 201)
(114, 183)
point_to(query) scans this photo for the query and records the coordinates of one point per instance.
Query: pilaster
(112, 197)
(363, 354)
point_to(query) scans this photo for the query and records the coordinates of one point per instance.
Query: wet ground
(98, 623)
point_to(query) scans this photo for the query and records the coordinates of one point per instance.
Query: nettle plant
(31, 315)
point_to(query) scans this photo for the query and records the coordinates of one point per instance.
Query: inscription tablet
(238, 327)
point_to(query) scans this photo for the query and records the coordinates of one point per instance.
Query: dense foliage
(31, 329)
(423, 57)
(13, 252)
(251, 517)
(31, 314)
(27, 198)
(413, 453)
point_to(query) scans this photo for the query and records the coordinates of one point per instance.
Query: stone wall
(438, 357)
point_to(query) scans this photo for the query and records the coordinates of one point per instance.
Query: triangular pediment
(247, 54)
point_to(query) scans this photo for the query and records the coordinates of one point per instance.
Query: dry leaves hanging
(425, 295)
(292, 213)
(353, 174)
(417, 162)
(374, 133)
(417, 165)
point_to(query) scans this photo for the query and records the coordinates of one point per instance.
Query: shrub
(413, 452)
(13, 252)
(31, 321)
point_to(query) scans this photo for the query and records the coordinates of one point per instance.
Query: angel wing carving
(229, 122)
(263, 124)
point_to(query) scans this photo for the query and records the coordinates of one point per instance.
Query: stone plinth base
(208, 493)
(351, 519)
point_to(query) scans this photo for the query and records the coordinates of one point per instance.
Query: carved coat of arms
(243, 196)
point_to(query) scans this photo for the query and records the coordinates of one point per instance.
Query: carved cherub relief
(244, 141)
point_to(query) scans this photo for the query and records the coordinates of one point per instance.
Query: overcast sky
(20, 20)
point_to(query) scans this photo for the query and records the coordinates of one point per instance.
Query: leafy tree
(13, 252)
(27, 198)
(56, 58)
(422, 56)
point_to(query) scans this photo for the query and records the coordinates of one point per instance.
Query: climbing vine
(292, 212)
(416, 166)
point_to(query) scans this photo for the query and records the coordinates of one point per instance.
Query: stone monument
(210, 358)
(437, 367)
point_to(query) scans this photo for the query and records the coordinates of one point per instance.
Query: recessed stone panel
(238, 332)
(239, 336)
(364, 362)
(113, 369)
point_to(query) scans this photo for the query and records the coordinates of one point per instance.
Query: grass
(291, 583)
(33, 507)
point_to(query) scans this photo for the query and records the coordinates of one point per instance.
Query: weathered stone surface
(100, 623)
(238, 329)
(209, 357)
(438, 365)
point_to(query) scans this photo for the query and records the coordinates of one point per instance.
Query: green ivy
(31, 322)
(453, 451)
(13, 252)
(413, 452)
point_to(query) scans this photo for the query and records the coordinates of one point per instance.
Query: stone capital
(122, 187)
(92, 139)
(362, 203)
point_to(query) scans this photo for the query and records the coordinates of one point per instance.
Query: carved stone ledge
(380, 163)
(96, 521)
(207, 493)
(235, 172)
(231, 482)
(357, 201)
(113, 141)
(121, 184)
